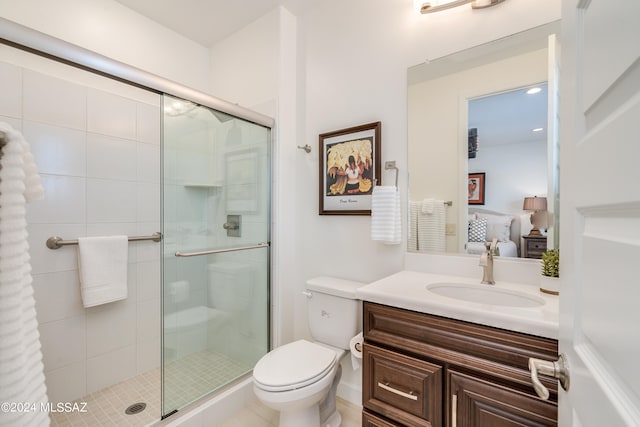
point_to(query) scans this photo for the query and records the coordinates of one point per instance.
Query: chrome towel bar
(222, 250)
(55, 242)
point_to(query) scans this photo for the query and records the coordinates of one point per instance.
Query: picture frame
(476, 187)
(346, 188)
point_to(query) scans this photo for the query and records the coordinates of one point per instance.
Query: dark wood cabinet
(425, 370)
(534, 246)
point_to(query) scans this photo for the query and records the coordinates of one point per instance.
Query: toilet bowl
(300, 379)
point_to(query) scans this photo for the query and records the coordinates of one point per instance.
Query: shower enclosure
(118, 156)
(215, 223)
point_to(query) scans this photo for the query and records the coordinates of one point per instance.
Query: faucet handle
(492, 247)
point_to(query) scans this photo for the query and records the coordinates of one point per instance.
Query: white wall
(97, 146)
(513, 171)
(110, 29)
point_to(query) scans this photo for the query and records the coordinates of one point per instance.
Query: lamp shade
(535, 204)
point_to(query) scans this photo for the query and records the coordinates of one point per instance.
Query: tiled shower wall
(97, 146)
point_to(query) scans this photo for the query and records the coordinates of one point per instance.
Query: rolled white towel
(385, 215)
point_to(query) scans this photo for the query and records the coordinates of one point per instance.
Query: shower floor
(186, 379)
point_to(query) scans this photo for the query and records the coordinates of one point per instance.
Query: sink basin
(485, 294)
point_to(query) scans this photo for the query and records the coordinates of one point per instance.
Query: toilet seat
(294, 365)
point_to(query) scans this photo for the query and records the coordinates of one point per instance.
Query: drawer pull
(454, 410)
(409, 395)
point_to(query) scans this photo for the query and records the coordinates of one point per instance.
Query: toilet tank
(333, 310)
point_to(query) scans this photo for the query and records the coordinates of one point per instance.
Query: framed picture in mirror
(476, 188)
(349, 168)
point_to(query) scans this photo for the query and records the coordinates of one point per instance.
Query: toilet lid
(293, 366)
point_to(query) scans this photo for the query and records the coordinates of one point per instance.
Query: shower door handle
(220, 251)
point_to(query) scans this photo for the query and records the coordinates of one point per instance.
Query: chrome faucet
(486, 261)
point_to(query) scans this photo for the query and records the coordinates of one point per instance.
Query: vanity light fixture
(432, 6)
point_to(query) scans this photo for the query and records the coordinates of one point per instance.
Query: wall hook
(306, 148)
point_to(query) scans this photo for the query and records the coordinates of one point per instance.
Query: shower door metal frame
(27, 39)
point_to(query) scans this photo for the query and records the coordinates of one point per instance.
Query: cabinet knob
(559, 370)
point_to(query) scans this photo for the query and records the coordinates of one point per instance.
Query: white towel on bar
(385, 215)
(431, 228)
(428, 205)
(102, 265)
(412, 233)
(21, 368)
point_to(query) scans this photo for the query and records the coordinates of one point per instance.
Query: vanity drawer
(499, 354)
(402, 388)
(370, 420)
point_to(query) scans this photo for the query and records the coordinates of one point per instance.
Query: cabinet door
(402, 388)
(475, 402)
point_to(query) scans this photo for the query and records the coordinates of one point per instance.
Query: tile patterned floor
(186, 379)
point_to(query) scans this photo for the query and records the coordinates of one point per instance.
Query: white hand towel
(102, 264)
(427, 206)
(385, 215)
(431, 229)
(412, 229)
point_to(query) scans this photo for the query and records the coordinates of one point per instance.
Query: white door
(600, 212)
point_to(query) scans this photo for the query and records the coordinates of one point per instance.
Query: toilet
(300, 379)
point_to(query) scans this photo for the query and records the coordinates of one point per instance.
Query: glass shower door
(216, 207)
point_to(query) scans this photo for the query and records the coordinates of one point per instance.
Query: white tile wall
(111, 158)
(54, 101)
(110, 326)
(67, 383)
(111, 201)
(58, 296)
(64, 201)
(99, 158)
(10, 88)
(59, 151)
(110, 368)
(63, 342)
(111, 115)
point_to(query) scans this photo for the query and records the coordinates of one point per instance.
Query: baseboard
(352, 393)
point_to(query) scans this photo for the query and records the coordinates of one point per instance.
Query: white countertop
(407, 289)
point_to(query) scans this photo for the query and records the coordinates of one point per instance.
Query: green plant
(551, 263)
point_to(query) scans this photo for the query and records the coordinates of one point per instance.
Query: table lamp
(538, 218)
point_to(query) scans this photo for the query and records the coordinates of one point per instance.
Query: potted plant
(550, 281)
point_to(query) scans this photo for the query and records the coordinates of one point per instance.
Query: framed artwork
(476, 188)
(349, 169)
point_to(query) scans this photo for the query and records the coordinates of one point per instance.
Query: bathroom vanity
(434, 360)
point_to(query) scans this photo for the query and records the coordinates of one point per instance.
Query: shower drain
(136, 408)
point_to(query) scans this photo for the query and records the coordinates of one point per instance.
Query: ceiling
(208, 21)
(510, 117)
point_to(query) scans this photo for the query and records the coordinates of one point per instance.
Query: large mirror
(482, 154)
